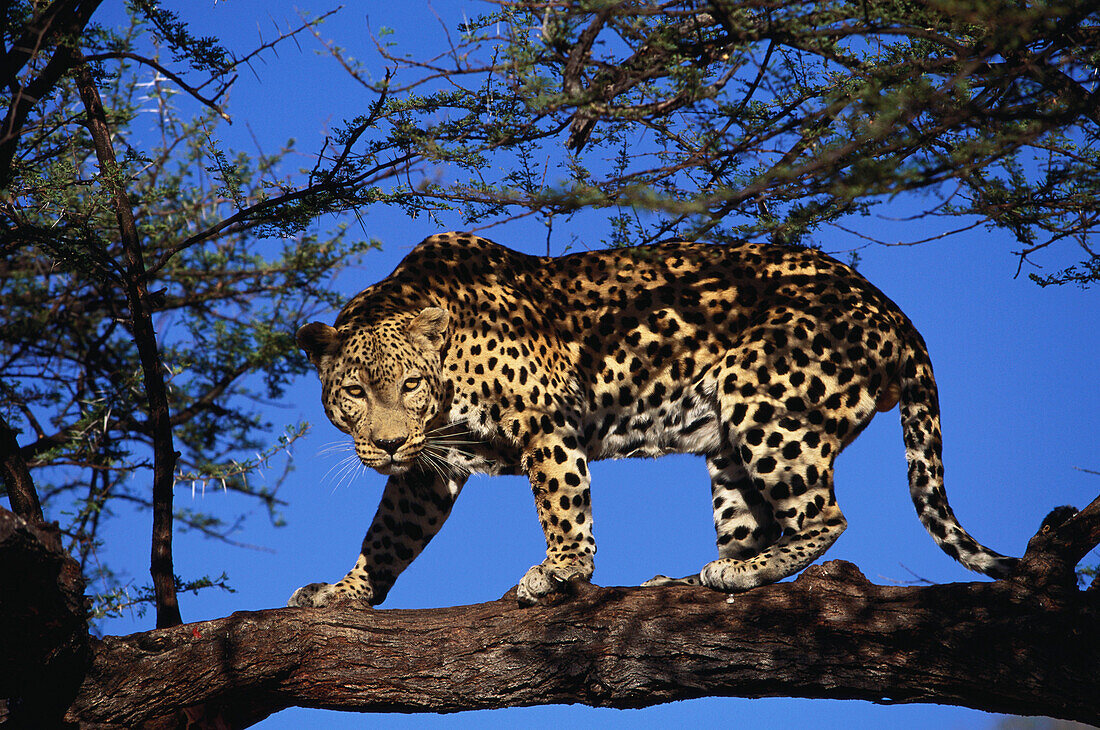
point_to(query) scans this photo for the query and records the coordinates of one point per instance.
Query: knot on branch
(833, 572)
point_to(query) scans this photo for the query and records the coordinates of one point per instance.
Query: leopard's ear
(318, 340)
(429, 328)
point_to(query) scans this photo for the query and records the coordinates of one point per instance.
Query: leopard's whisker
(339, 467)
(353, 468)
(442, 433)
(440, 455)
(436, 463)
(335, 447)
(444, 451)
(424, 460)
(452, 438)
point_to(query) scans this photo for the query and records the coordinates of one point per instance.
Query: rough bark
(43, 629)
(16, 478)
(1021, 645)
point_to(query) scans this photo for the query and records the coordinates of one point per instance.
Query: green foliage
(744, 120)
(203, 54)
(1086, 574)
(1084, 274)
(231, 279)
(120, 599)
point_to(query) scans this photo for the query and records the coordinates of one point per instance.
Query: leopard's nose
(390, 446)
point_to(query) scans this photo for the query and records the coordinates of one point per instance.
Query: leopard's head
(382, 384)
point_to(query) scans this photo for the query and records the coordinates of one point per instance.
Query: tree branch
(1006, 646)
(1021, 646)
(211, 103)
(829, 634)
(17, 477)
(137, 296)
(59, 18)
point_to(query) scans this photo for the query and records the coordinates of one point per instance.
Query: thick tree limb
(990, 646)
(1000, 647)
(1021, 646)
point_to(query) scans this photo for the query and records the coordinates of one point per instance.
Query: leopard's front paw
(536, 583)
(543, 579)
(312, 596)
(316, 595)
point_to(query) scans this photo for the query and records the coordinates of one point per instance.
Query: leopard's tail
(920, 423)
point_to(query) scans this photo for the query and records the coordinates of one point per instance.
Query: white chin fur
(391, 467)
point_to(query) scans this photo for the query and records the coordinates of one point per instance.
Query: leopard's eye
(411, 384)
(355, 391)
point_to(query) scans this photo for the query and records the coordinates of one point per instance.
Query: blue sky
(1015, 366)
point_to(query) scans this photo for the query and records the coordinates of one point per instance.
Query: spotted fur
(765, 359)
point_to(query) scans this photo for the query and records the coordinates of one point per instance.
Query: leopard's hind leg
(743, 518)
(788, 462)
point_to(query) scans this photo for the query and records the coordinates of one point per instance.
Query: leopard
(766, 359)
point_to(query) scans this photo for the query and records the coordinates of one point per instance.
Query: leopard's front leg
(558, 471)
(414, 506)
